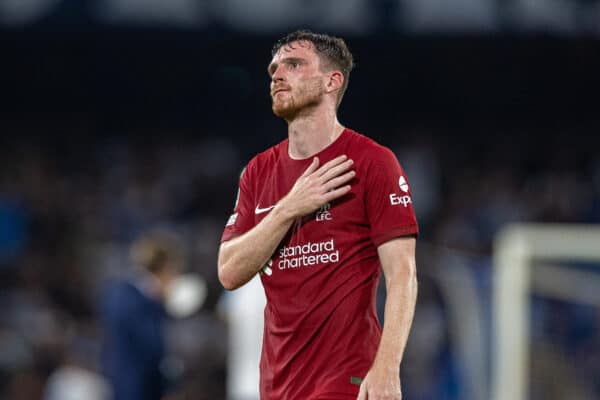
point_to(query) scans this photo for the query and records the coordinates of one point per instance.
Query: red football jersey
(321, 330)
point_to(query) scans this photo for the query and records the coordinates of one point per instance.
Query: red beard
(291, 103)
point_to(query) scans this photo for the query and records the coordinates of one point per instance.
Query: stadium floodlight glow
(516, 249)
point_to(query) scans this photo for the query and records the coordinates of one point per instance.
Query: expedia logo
(403, 184)
(404, 200)
(396, 199)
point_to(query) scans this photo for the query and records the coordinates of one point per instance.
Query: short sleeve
(388, 199)
(242, 219)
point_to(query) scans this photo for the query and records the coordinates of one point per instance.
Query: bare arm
(242, 257)
(399, 266)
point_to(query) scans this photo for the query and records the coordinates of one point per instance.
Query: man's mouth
(274, 93)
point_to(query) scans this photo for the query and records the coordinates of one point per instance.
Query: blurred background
(120, 116)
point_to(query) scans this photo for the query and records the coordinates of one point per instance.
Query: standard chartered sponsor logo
(308, 254)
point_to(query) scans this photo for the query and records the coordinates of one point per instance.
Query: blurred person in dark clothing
(133, 314)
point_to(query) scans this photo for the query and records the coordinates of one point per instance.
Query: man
(317, 215)
(133, 316)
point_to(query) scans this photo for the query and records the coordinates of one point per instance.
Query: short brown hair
(156, 250)
(331, 49)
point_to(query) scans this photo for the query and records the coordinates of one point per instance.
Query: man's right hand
(318, 186)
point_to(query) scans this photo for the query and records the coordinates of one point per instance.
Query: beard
(299, 100)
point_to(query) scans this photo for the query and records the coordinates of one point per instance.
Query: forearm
(242, 257)
(398, 315)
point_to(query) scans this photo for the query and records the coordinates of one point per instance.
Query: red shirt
(321, 330)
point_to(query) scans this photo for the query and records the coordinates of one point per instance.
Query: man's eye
(295, 64)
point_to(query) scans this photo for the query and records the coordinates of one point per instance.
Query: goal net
(546, 313)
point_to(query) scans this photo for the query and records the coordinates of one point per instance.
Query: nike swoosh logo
(259, 210)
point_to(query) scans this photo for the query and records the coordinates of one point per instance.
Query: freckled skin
(296, 70)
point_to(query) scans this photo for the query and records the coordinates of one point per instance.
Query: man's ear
(335, 82)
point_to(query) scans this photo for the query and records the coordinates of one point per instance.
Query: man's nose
(278, 74)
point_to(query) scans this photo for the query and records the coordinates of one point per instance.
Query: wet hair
(332, 50)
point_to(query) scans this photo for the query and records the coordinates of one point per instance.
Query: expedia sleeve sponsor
(388, 199)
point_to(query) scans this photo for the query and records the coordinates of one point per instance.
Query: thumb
(312, 167)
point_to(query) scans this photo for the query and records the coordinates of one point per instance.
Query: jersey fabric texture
(321, 330)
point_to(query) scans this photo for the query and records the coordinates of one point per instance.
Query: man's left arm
(397, 258)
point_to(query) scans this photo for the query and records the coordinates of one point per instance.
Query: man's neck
(310, 134)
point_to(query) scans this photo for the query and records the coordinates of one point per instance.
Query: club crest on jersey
(396, 199)
(324, 214)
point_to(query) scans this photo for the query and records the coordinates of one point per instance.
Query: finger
(340, 180)
(312, 167)
(330, 164)
(362, 392)
(334, 194)
(337, 170)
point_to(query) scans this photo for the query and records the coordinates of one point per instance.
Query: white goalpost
(516, 249)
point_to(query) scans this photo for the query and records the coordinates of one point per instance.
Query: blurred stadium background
(122, 115)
